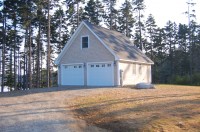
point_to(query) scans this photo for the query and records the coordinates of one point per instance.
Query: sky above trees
(164, 10)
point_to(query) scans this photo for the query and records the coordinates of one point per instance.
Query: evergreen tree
(171, 41)
(59, 30)
(159, 56)
(73, 13)
(191, 24)
(3, 43)
(151, 28)
(93, 11)
(9, 41)
(111, 14)
(182, 55)
(126, 20)
(138, 6)
(39, 19)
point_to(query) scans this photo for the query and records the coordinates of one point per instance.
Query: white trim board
(71, 64)
(82, 41)
(132, 61)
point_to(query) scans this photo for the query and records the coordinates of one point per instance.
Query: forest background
(33, 33)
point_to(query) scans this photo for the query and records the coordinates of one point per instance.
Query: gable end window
(84, 42)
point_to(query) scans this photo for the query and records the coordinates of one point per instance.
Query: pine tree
(191, 23)
(150, 34)
(3, 43)
(138, 6)
(171, 41)
(193, 29)
(14, 17)
(111, 14)
(11, 9)
(73, 13)
(126, 20)
(182, 55)
(39, 17)
(93, 11)
(26, 18)
(99, 11)
(48, 45)
(59, 30)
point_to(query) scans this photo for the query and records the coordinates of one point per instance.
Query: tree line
(33, 32)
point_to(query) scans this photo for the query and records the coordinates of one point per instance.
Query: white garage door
(100, 74)
(72, 75)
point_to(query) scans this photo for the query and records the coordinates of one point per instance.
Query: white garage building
(96, 56)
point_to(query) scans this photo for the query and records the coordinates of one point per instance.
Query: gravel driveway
(39, 110)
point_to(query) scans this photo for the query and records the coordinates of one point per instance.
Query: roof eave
(139, 62)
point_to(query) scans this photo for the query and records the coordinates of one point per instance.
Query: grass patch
(166, 108)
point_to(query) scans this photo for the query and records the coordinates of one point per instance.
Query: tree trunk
(3, 53)
(41, 79)
(48, 47)
(77, 13)
(29, 59)
(38, 58)
(111, 15)
(127, 32)
(19, 70)
(15, 83)
(11, 76)
(25, 80)
(140, 30)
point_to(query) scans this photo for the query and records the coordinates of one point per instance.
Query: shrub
(196, 79)
(185, 80)
(181, 80)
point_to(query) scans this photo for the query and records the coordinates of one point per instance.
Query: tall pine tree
(126, 20)
(138, 6)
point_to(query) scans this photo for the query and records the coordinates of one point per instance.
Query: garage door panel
(100, 74)
(72, 75)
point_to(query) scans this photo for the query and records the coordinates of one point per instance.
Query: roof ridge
(122, 46)
(87, 22)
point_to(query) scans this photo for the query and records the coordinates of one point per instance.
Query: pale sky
(165, 10)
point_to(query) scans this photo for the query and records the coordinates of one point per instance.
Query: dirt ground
(43, 110)
(167, 108)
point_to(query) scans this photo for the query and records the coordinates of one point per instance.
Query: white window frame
(72, 64)
(82, 42)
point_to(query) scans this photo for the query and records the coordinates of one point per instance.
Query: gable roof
(118, 44)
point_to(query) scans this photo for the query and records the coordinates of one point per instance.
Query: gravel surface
(39, 110)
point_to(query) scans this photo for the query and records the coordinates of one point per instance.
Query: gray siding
(95, 53)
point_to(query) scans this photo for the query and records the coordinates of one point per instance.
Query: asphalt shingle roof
(120, 44)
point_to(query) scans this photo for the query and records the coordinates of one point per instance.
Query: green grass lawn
(166, 108)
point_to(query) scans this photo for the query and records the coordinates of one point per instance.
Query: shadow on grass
(138, 117)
